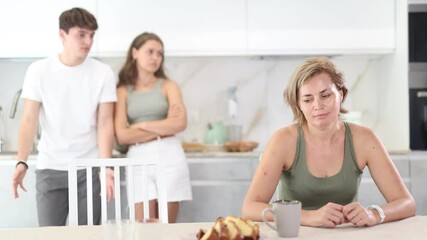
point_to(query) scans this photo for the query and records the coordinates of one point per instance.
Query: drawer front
(223, 169)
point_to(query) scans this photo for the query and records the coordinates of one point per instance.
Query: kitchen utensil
(234, 132)
(216, 133)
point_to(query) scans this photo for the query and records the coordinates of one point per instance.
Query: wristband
(379, 210)
(23, 163)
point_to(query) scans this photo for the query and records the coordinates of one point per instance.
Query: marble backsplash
(205, 83)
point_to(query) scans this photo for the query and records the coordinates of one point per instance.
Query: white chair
(115, 163)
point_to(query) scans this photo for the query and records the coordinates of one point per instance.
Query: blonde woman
(320, 158)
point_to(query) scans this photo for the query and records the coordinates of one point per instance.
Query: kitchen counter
(211, 154)
(201, 154)
(212, 174)
(12, 156)
(223, 154)
(410, 228)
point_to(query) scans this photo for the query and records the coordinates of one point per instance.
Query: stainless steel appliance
(417, 20)
(418, 118)
(417, 29)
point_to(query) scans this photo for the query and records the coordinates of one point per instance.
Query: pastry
(210, 234)
(231, 228)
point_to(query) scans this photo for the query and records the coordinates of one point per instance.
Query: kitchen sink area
(12, 155)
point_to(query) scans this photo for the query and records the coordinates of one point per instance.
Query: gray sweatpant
(52, 197)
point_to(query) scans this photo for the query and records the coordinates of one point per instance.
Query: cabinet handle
(422, 94)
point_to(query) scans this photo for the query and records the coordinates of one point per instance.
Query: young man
(73, 96)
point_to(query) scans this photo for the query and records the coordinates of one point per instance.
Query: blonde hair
(303, 73)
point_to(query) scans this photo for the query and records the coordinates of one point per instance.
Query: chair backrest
(116, 164)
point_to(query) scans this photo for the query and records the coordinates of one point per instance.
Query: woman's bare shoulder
(122, 90)
(285, 136)
(169, 84)
(364, 139)
(360, 132)
(288, 131)
(282, 145)
(168, 81)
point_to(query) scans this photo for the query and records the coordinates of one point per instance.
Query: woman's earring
(133, 61)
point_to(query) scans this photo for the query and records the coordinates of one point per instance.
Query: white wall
(260, 83)
(378, 89)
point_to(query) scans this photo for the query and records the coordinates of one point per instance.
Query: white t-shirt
(69, 98)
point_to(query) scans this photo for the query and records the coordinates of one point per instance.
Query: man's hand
(109, 182)
(18, 179)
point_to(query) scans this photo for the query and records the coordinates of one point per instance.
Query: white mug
(287, 217)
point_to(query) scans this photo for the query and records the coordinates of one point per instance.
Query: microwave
(417, 30)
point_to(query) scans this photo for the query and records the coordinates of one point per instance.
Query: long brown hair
(129, 71)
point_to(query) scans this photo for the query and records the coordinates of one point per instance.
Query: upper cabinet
(187, 27)
(209, 28)
(321, 27)
(31, 28)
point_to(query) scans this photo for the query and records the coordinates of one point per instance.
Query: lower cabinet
(211, 200)
(369, 193)
(219, 186)
(418, 181)
(20, 212)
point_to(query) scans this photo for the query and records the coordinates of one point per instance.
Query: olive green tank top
(146, 106)
(298, 183)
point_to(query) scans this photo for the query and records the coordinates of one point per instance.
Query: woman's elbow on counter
(413, 207)
(246, 211)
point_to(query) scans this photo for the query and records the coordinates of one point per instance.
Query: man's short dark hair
(77, 17)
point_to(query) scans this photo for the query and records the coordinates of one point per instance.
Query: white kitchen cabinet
(31, 28)
(187, 27)
(368, 191)
(218, 183)
(288, 27)
(222, 183)
(209, 28)
(418, 168)
(20, 212)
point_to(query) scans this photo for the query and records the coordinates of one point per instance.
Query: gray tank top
(298, 183)
(146, 106)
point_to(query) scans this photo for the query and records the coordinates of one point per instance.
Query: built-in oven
(417, 20)
(418, 118)
(417, 30)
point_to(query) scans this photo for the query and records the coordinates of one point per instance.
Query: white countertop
(413, 155)
(12, 155)
(411, 228)
(222, 154)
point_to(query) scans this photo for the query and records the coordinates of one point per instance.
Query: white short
(173, 163)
